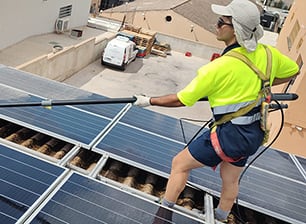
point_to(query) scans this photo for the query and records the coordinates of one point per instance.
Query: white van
(119, 52)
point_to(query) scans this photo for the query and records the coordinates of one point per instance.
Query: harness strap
(264, 92)
(217, 147)
(248, 62)
(264, 77)
(266, 82)
(269, 62)
(227, 117)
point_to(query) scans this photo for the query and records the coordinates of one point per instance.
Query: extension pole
(48, 103)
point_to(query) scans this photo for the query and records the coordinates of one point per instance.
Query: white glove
(142, 101)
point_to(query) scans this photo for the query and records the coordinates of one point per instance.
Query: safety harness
(264, 95)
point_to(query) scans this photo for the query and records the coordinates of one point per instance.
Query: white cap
(246, 21)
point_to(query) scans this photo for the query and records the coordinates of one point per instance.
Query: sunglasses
(221, 22)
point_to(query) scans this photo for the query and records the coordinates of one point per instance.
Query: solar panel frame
(129, 142)
(278, 162)
(104, 204)
(75, 125)
(24, 181)
(165, 132)
(274, 195)
(154, 153)
(67, 123)
(50, 89)
(148, 149)
(303, 162)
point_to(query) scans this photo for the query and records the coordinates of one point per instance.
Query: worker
(230, 85)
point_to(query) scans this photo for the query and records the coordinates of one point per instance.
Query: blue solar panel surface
(142, 147)
(68, 122)
(50, 89)
(279, 163)
(160, 124)
(275, 193)
(23, 180)
(84, 200)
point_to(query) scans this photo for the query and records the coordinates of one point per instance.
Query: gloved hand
(142, 101)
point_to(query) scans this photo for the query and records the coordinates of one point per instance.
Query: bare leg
(182, 163)
(230, 186)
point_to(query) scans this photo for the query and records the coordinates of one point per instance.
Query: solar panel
(303, 162)
(153, 151)
(272, 193)
(68, 122)
(140, 146)
(23, 180)
(282, 164)
(84, 200)
(50, 89)
(160, 124)
(273, 185)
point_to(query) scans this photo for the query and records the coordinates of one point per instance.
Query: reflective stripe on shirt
(231, 108)
(244, 120)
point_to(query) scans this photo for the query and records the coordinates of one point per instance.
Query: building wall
(22, 19)
(292, 42)
(179, 26)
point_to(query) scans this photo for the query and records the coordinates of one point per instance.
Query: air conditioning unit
(62, 24)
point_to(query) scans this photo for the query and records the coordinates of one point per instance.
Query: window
(293, 14)
(299, 44)
(299, 61)
(293, 34)
(65, 11)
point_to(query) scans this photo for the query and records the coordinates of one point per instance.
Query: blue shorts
(236, 141)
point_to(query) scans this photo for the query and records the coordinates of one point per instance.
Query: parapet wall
(182, 45)
(60, 65)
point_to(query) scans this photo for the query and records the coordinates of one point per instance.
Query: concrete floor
(152, 75)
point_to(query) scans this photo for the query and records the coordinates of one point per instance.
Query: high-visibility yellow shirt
(227, 80)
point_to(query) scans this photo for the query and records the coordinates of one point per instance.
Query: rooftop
(192, 10)
(116, 134)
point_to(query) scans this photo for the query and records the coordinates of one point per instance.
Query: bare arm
(166, 101)
(278, 81)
